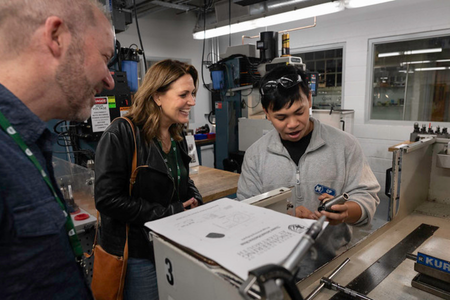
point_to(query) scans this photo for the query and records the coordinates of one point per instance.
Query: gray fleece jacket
(334, 159)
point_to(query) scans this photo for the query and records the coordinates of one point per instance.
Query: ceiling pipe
(148, 7)
(282, 31)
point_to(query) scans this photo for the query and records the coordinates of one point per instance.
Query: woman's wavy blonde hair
(144, 112)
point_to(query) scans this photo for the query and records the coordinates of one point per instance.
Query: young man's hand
(304, 213)
(349, 212)
(338, 217)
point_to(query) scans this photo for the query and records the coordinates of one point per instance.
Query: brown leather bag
(108, 278)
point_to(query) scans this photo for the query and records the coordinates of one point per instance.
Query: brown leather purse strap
(132, 180)
(134, 161)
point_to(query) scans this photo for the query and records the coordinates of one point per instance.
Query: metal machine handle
(387, 184)
(271, 277)
(322, 285)
(343, 125)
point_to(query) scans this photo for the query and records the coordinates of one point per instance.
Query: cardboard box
(183, 274)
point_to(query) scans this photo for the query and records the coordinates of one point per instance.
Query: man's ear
(55, 33)
(267, 114)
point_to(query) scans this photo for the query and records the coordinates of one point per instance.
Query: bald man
(53, 60)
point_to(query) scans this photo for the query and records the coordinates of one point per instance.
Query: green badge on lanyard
(73, 238)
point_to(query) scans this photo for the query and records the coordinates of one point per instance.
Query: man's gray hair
(19, 19)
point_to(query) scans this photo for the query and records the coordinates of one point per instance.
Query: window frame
(370, 71)
(325, 47)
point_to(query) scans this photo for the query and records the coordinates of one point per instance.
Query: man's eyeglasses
(286, 82)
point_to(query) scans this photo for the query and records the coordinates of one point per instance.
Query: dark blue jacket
(36, 259)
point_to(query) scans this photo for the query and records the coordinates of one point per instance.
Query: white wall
(354, 28)
(166, 35)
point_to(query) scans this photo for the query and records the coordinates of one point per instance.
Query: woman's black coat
(153, 195)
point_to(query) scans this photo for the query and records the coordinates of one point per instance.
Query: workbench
(214, 183)
(399, 145)
(211, 183)
(419, 199)
(397, 285)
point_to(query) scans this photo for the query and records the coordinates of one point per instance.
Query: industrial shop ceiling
(217, 12)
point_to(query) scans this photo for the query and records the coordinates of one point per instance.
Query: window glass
(411, 80)
(310, 65)
(320, 66)
(331, 66)
(319, 55)
(328, 63)
(330, 54)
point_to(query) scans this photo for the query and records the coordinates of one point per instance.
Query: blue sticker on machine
(321, 189)
(433, 262)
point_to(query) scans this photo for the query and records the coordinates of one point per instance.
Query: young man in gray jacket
(317, 160)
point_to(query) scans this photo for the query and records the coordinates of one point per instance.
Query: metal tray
(443, 159)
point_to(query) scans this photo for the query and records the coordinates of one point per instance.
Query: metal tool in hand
(326, 205)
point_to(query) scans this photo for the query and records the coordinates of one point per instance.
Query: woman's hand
(191, 203)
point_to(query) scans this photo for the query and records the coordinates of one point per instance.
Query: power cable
(203, 50)
(139, 35)
(229, 23)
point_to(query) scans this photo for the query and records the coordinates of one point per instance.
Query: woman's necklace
(166, 144)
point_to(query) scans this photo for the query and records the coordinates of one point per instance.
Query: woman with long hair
(160, 109)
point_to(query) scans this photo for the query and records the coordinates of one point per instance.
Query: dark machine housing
(120, 100)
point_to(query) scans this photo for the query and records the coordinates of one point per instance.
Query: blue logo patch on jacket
(320, 189)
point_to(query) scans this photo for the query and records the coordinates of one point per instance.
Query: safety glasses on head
(287, 82)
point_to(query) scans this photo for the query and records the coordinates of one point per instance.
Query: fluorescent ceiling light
(432, 69)
(409, 52)
(284, 3)
(432, 50)
(362, 3)
(415, 62)
(423, 62)
(304, 13)
(389, 54)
